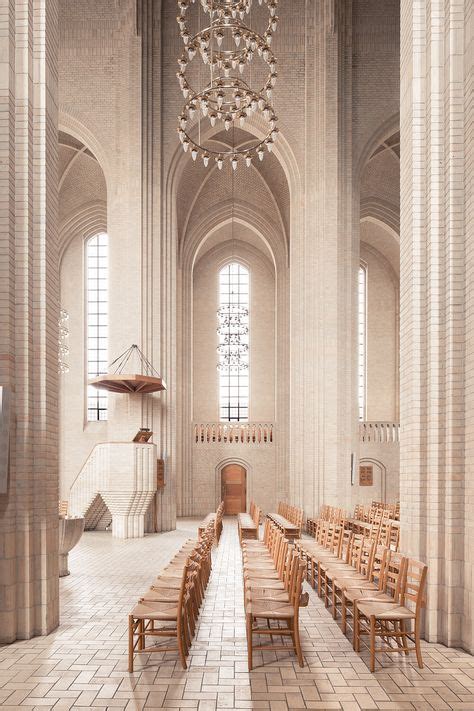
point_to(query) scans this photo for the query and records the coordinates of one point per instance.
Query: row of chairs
(383, 531)
(273, 591)
(344, 544)
(293, 514)
(333, 514)
(376, 511)
(215, 519)
(170, 607)
(378, 592)
(249, 523)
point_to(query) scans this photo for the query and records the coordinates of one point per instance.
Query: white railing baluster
(379, 432)
(233, 433)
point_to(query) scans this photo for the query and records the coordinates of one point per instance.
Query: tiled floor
(83, 664)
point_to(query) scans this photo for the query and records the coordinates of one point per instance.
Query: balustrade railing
(379, 432)
(233, 433)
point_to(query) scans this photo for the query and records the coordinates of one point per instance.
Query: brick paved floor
(83, 664)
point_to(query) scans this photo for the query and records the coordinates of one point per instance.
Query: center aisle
(334, 676)
(220, 649)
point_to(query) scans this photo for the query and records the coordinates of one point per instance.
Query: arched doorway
(234, 489)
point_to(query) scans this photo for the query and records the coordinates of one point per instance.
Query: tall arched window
(97, 301)
(233, 349)
(362, 342)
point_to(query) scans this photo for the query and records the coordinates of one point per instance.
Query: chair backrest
(355, 551)
(373, 533)
(384, 533)
(323, 530)
(366, 554)
(296, 584)
(256, 515)
(275, 540)
(394, 537)
(266, 531)
(287, 567)
(414, 584)
(336, 540)
(345, 548)
(330, 536)
(184, 583)
(283, 553)
(278, 541)
(380, 558)
(394, 576)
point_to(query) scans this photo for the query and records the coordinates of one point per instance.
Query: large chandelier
(232, 319)
(227, 47)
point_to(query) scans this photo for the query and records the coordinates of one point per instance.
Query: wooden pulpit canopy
(124, 380)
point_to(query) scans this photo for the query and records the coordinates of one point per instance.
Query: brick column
(323, 276)
(29, 318)
(437, 283)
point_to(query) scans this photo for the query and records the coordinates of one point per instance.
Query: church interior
(237, 354)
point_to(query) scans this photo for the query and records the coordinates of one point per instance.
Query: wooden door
(234, 489)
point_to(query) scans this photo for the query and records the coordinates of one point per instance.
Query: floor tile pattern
(83, 665)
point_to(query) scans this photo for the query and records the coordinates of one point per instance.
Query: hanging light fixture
(232, 318)
(227, 46)
(63, 348)
(232, 327)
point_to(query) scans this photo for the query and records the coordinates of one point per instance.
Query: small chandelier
(227, 47)
(63, 348)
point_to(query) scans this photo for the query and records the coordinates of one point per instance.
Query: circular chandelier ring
(227, 153)
(231, 83)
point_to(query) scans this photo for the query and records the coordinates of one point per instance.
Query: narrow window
(97, 299)
(233, 348)
(362, 342)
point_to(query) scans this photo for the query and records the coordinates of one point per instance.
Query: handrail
(98, 444)
(233, 432)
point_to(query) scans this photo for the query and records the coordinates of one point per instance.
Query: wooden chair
(281, 612)
(345, 592)
(389, 620)
(145, 615)
(339, 574)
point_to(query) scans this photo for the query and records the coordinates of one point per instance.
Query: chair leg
(181, 644)
(343, 612)
(296, 641)
(372, 643)
(326, 591)
(356, 640)
(249, 623)
(130, 644)
(419, 658)
(141, 638)
(404, 637)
